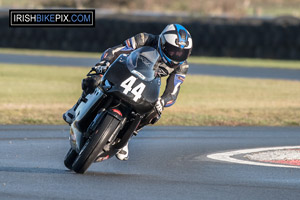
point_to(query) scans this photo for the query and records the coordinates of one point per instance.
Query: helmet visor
(175, 53)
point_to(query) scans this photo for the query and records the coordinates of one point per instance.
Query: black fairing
(118, 73)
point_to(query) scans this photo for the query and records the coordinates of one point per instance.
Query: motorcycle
(106, 119)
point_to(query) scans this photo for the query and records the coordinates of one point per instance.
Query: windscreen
(141, 62)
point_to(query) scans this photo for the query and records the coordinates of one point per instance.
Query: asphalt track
(231, 71)
(165, 163)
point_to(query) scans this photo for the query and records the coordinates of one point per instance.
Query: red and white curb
(287, 156)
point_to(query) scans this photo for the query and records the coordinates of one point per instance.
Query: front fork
(120, 137)
(128, 132)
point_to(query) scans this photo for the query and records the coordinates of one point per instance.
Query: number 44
(136, 91)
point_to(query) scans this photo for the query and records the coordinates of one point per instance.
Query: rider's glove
(159, 105)
(101, 67)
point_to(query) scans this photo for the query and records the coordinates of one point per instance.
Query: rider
(174, 45)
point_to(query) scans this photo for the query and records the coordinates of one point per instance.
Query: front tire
(95, 144)
(70, 158)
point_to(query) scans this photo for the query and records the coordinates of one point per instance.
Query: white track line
(227, 156)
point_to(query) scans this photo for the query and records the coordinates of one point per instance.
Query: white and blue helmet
(175, 44)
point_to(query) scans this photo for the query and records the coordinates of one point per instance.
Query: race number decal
(128, 83)
(136, 91)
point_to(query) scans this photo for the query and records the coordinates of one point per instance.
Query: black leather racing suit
(175, 79)
(176, 74)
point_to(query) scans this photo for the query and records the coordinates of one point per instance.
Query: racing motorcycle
(106, 119)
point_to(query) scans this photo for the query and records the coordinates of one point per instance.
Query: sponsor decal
(181, 78)
(52, 17)
(139, 74)
(169, 102)
(178, 80)
(105, 55)
(128, 43)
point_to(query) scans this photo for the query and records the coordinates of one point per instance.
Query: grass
(220, 101)
(241, 62)
(39, 95)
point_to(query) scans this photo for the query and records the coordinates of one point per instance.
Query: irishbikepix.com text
(55, 18)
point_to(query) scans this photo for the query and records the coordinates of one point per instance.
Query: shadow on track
(112, 174)
(38, 170)
(33, 170)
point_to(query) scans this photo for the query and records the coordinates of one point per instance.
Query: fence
(256, 38)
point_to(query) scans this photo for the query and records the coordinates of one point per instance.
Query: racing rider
(174, 45)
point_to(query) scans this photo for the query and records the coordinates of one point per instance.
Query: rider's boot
(123, 153)
(150, 119)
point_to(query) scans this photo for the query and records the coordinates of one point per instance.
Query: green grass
(39, 95)
(241, 62)
(213, 101)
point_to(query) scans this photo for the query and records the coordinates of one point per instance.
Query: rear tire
(95, 144)
(70, 158)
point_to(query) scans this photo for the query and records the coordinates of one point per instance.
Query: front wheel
(70, 158)
(95, 144)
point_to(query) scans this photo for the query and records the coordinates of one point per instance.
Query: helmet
(175, 44)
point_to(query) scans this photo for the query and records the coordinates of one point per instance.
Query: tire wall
(255, 38)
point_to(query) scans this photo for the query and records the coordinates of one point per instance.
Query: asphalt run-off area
(164, 163)
(175, 163)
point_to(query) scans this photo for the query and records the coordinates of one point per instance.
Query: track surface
(232, 71)
(165, 163)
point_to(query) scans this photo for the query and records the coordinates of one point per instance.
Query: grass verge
(39, 95)
(221, 101)
(241, 62)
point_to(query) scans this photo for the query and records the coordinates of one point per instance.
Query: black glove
(101, 67)
(90, 83)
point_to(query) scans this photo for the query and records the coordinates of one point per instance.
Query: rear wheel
(70, 158)
(95, 144)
